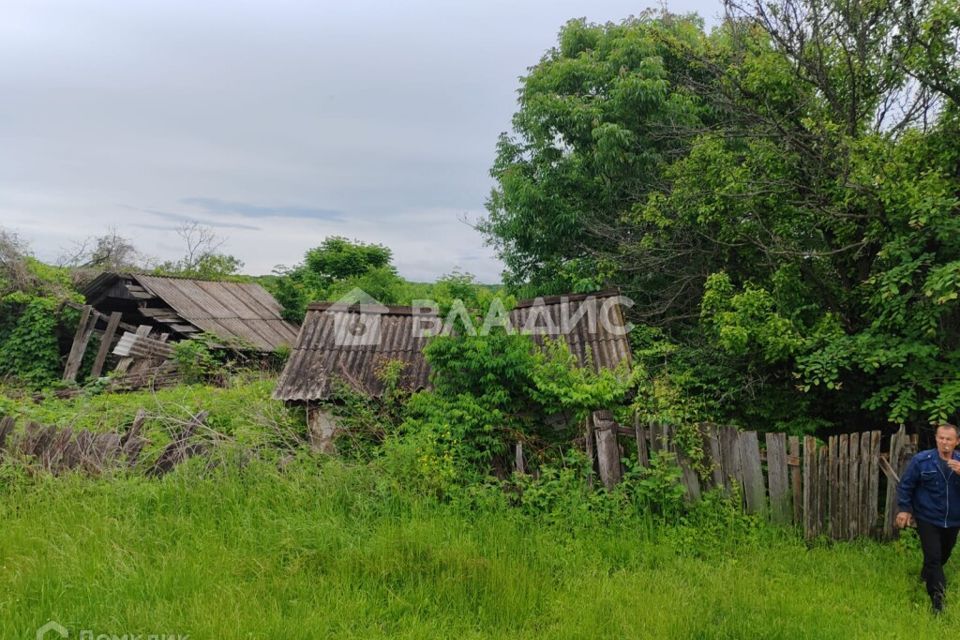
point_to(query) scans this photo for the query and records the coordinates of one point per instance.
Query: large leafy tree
(783, 208)
(333, 269)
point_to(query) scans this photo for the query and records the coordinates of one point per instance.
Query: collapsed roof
(240, 313)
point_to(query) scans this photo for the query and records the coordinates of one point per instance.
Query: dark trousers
(937, 544)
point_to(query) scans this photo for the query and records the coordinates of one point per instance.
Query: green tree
(333, 269)
(779, 197)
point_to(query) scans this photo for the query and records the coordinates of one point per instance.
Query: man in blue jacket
(929, 493)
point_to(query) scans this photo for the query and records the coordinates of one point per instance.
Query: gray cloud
(216, 206)
(386, 114)
(179, 217)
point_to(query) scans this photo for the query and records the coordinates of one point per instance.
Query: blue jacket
(928, 492)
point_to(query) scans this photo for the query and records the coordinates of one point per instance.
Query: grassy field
(333, 550)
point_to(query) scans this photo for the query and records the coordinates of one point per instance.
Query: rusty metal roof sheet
(227, 309)
(352, 343)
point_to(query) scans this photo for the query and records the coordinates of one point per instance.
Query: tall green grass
(335, 550)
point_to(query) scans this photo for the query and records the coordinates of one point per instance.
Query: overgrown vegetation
(339, 550)
(779, 198)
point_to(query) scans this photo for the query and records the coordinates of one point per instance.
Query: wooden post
(796, 480)
(322, 429)
(88, 320)
(105, 340)
(608, 452)
(518, 464)
(781, 511)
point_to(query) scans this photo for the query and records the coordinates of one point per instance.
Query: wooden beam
(105, 340)
(85, 329)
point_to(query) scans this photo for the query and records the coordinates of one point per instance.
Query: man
(929, 493)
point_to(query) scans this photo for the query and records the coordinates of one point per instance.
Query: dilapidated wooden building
(240, 313)
(351, 342)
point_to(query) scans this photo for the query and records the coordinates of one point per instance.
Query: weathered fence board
(752, 473)
(876, 438)
(809, 490)
(833, 462)
(712, 449)
(781, 511)
(643, 457)
(796, 480)
(853, 482)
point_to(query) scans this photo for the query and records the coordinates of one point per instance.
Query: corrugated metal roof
(227, 309)
(331, 343)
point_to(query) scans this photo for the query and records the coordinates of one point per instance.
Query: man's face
(947, 440)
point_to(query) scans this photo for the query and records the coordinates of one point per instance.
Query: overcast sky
(276, 123)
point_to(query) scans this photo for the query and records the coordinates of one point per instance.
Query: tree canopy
(779, 197)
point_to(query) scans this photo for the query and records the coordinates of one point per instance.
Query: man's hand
(954, 465)
(904, 519)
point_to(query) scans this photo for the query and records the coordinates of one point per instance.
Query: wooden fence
(842, 489)
(57, 450)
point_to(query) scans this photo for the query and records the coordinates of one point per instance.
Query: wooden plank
(796, 481)
(159, 313)
(688, 476)
(50, 459)
(657, 437)
(863, 485)
(132, 442)
(823, 491)
(84, 444)
(730, 446)
(753, 489)
(833, 462)
(608, 451)
(890, 504)
(853, 486)
(809, 481)
(80, 339)
(873, 487)
(781, 511)
(643, 456)
(712, 450)
(178, 450)
(106, 339)
(6, 428)
(843, 476)
(588, 445)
